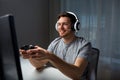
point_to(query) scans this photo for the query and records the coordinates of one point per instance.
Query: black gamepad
(27, 47)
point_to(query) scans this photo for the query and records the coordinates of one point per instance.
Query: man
(68, 53)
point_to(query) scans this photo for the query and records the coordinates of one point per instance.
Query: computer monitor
(10, 68)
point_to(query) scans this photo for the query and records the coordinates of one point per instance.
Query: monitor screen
(10, 68)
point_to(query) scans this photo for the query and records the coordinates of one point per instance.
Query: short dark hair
(65, 14)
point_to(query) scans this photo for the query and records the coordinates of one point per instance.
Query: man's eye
(65, 23)
(59, 24)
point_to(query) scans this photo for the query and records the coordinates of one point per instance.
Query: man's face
(64, 27)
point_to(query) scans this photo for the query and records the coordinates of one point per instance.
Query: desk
(50, 73)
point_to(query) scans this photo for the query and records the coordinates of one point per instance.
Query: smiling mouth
(61, 32)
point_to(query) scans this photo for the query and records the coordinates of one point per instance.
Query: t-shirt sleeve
(53, 44)
(50, 48)
(85, 51)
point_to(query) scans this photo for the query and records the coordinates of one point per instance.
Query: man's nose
(61, 26)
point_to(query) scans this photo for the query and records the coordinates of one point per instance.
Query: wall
(54, 10)
(31, 20)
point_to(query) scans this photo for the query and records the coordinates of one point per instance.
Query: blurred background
(100, 23)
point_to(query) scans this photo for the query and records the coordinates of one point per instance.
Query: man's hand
(38, 64)
(36, 56)
(24, 54)
(38, 53)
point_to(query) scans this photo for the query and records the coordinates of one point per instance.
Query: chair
(92, 71)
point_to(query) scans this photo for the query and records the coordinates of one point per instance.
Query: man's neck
(69, 39)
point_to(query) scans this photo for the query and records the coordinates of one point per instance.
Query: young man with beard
(68, 53)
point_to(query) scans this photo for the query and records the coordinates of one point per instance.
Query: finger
(37, 56)
(30, 52)
(22, 52)
(33, 51)
(36, 46)
(26, 56)
(39, 48)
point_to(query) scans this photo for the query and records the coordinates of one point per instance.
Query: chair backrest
(92, 72)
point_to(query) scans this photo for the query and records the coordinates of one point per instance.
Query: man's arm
(72, 71)
(38, 64)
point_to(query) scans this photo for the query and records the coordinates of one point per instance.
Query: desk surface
(50, 73)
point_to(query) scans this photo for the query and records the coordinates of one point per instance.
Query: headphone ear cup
(56, 27)
(76, 26)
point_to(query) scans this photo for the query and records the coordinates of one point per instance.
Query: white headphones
(76, 24)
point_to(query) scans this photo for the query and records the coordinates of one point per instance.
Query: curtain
(100, 24)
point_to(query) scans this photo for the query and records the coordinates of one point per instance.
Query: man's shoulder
(83, 41)
(54, 43)
(56, 40)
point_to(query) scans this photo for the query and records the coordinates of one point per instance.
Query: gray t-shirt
(79, 48)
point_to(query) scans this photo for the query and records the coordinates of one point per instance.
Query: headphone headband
(73, 14)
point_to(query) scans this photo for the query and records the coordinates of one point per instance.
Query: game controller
(27, 47)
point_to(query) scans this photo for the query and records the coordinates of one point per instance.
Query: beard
(66, 33)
